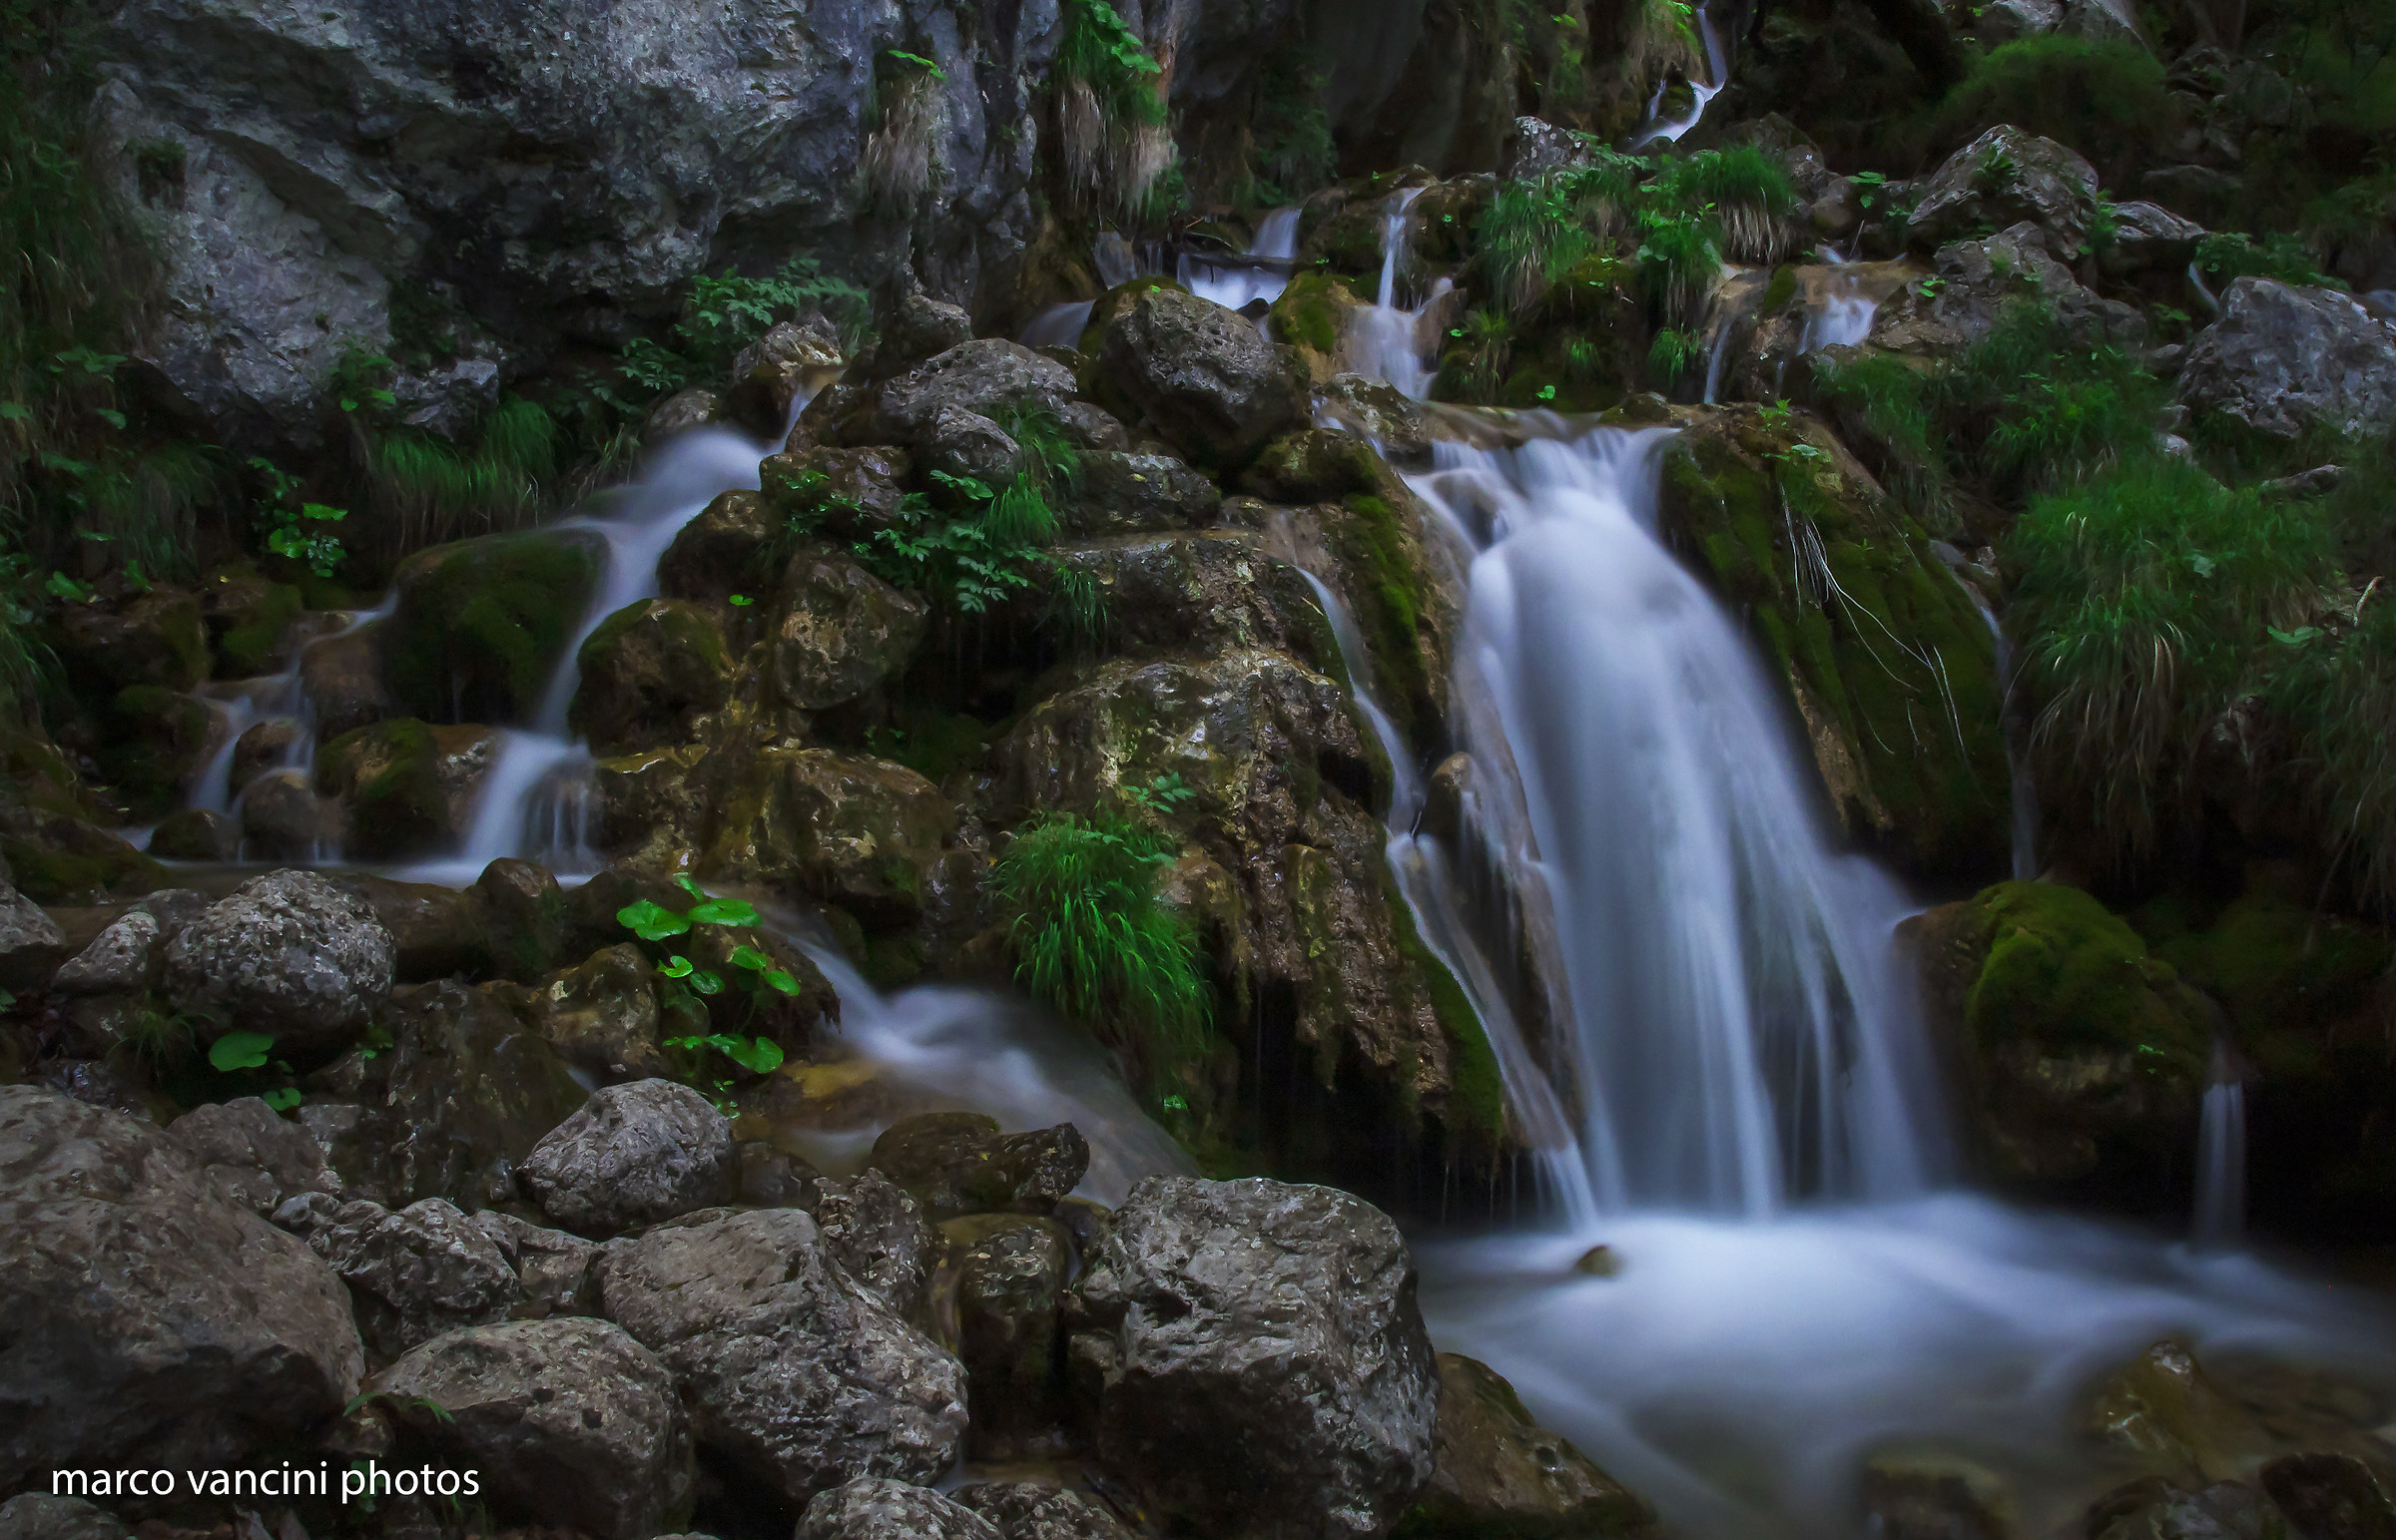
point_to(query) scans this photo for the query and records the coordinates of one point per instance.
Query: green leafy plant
(751, 972)
(2283, 256)
(1745, 191)
(1110, 110)
(1673, 354)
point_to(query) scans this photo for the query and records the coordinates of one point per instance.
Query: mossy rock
(250, 620)
(647, 673)
(860, 832)
(154, 742)
(1113, 303)
(1889, 665)
(1349, 240)
(152, 638)
(1311, 316)
(482, 623)
(408, 785)
(78, 863)
(1446, 213)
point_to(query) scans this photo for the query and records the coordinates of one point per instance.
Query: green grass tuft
(2106, 100)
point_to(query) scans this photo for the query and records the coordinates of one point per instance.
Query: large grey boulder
(149, 1317)
(878, 1233)
(873, 1508)
(1011, 1271)
(1979, 281)
(117, 961)
(1254, 1359)
(553, 1266)
(1029, 1510)
(569, 1420)
(789, 1367)
(2282, 360)
(1497, 1471)
(254, 1156)
(1208, 381)
(414, 1273)
(31, 945)
(984, 377)
(635, 1153)
(2148, 238)
(2007, 177)
(289, 954)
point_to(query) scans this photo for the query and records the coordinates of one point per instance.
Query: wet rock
(31, 945)
(289, 954)
(774, 1179)
(414, 1273)
(1217, 391)
(1213, 591)
(647, 673)
(843, 494)
(2282, 360)
(1540, 147)
(569, 1420)
(919, 327)
(682, 412)
(1251, 1358)
(2332, 1497)
(839, 631)
(985, 376)
(788, 1367)
(154, 638)
(871, 1508)
(40, 1516)
(792, 360)
(152, 743)
(1380, 411)
(1093, 429)
(1495, 1471)
(635, 1153)
(343, 679)
(553, 1266)
(482, 623)
(1978, 281)
(2162, 1407)
(196, 835)
(2085, 1055)
(435, 931)
(1027, 1510)
(408, 788)
(525, 917)
(285, 820)
(601, 1016)
(877, 1231)
(254, 625)
(253, 1156)
(2155, 1510)
(959, 1163)
(1448, 793)
(117, 961)
(1010, 1276)
(964, 443)
(1315, 316)
(454, 1105)
(2148, 238)
(1121, 493)
(864, 833)
(2007, 177)
(717, 552)
(2006, 21)
(150, 1317)
(1935, 1497)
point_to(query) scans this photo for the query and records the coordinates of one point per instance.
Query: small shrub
(2106, 100)
(2283, 256)
(1110, 110)
(2338, 696)
(1746, 191)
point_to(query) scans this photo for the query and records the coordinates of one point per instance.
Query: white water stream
(1664, 131)
(1386, 338)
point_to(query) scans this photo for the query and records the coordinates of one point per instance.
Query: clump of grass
(897, 161)
(1110, 111)
(2223, 257)
(1678, 262)
(2140, 601)
(1090, 938)
(2338, 697)
(435, 491)
(2046, 409)
(1537, 230)
(2108, 100)
(1744, 190)
(1672, 355)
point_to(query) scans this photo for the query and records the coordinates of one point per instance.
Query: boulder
(117, 961)
(194, 835)
(2283, 360)
(717, 553)
(569, 1421)
(555, 1267)
(789, 1367)
(866, 835)
(2162, 1409)
(412, 1273)
(482, 623)
(343, 679)
(154, 638)
(1378, 410)
(40, 1516)
(635, 1153)
(2147, 237)
(435, 931)
(985, 376)
(525, 919)
(153, 742)
(257, 1158)
(2007, 177)
(1027, 1510)
(837, 630)
(2009, 21)
(1215, 388)
(1009, 1275)
(290, 954)
(965, 443)
(2332, 1496)
(285, 820)
(682, 412)
(1912, 1494)
(1253, 1359)
(842, 494)
(873, 1508)
(151, 1318)
(781, 370)
(1977, 281)
(1540, 147)
(31, 945)
(408, 788)
(1211, 591)
(959, 1163)
(919, 327)
(2155, 1510)
(1121, 493)
(878, 1233)
(647, 673)
(602, 1015)
(1496, 1472)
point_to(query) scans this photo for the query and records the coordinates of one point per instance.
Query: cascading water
(1236, 285)
(1386, 338)
(1059, 325)
(1663, 131)
(2221, 1154)
(244, 704)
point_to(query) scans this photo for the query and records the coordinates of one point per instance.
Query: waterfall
(1385, 340)
(1843, 318)
(1059, 325)
(1236, 285)
(1664, 131)
(2221, 1154)
(283, 696)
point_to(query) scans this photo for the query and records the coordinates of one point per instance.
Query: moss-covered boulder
(152, 638)
(1311, 316)
(860, 832)
(2085, 1055)
(196, 835)
(152, 742)
(482, 623)
(1198, 593)
(837, 630)
(61, 861)
(647, 673)
(409, 787)
(1889, 665)
(253, 621)
(716, 553)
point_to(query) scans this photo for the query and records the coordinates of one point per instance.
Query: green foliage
(1672, 355)
(293, 527)
(435, 491)
(239, 1051)
(1488, 340)
(1090, 938)
(1678, 262)
(2338, 696)
(753, 973)
(973, 545)
(1745, 191)
(2108, 100)
(2141, 601)
(1291, 149)
(1535, 232)
(2283, 256)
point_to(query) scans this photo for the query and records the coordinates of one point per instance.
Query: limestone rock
(1540, 147)
(290, 954)
(1497, 1471)
(635, 1153)
(959, 1163)
(791, 362)
(866, 835)
(194, 835)
(602, 1015)
(1217, 391)
(2282, 360)
(408, 788)
(839, 631)
(1931, 1495)
(1207, 592)
(879, 1236)
(646, 673)
(2007, 177)
(789, 1367)
(2148, 238)
(2155, 1510)
(1027, 1510)
(1122, 493)
(31, 945)
(154, 638)
(255, 1157)
(568, 1420)
(984, 376)
(553, 1266)
(717, 553)
(481, 624)
(1978, 281)
(412, 1273)
(40, 1516)
(150, 1317)
(1254, 1359)
(1010, 1276)
(285, 820)
(117, 961)
(873, 1508)
(2332, 1496)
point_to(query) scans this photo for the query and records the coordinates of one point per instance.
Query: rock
(1217, 391)
(284, 819)
(1449, 794)
(788, 1367)
(2148, 238)
(602, 1015)
(252, 624)
(845, 494)
(2101, 21)
(152, 743)
(1093, 429)
(196, 835)
(717, 553)
(553, 1266)
(2008, 21)
(150, 1318)
(481, 624)
(1121, 494)
(635, 1153)
(342, 676)
(570, 1421)
(289, 954)
(412, 1273)
(31, 945)
(873, 1508)
(682, 412)
(2153, 1509)
(1977, 281)
(647, 673)
(985, 376)
(2284, 359)
(959, 1163)
(40, 1516)
(152, 638)
(2084, 1057)
(839, 631)
(965, 443)
(1009, 1274)
(792, 362)
(1253, 1358)
(255, 1157)
(1380, 411)
(2332, 1497)
(525, 918)
(1935, 1497)
(878, 1233)
(919, 327)
(1212, 591)
(1027, 1510)
(1540, 147)
(409, 789)
(2162, 1407)
(771, 1177)
(866, 834)
(435, 931)
(2004, 178)
(1495, 1471)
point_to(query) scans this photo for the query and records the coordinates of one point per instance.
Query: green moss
(933, 743)
(106, 866)
(1390, 611)
(2273, 963)
(392, 771)
(248, 649)
(2065, 973)
(1780, 291)
(892, 961)
(1307, 316)
(481, 624)
(1475, 1115)
(2108, 100)
(153, 742)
